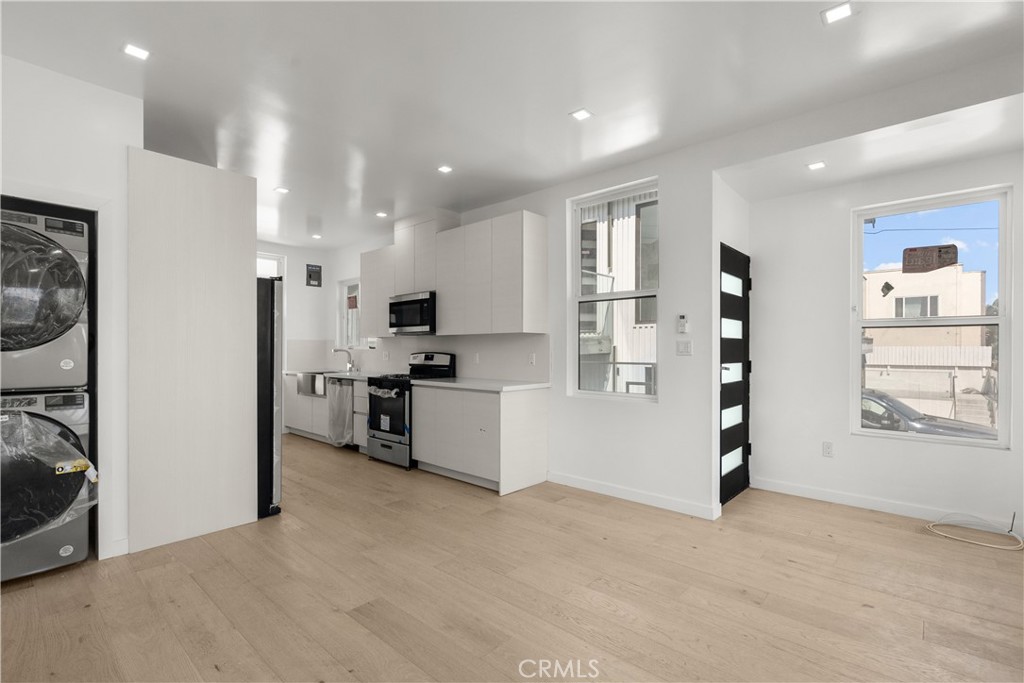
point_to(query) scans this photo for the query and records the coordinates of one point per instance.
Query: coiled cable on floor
(977, 523)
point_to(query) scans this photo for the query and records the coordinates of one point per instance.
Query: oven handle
(383, 393)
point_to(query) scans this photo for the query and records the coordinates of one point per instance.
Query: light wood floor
(373, 573)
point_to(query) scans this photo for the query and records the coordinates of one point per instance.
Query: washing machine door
(32, 493)
(43, 292)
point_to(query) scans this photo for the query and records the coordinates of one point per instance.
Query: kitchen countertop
(474, 384)
(357, 376)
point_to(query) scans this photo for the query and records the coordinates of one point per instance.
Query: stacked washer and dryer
(47, 476)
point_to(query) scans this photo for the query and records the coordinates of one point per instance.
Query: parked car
(879, 410)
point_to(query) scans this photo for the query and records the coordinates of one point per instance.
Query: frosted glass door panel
(732, 372)
(731, 461)
(732, 329)
(732, 284)
(732, 417)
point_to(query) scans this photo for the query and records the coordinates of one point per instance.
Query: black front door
(734, 452)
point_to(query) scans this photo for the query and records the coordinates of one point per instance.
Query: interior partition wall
(191, 351)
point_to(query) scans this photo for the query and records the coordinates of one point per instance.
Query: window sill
(614, 396)
(997, 445)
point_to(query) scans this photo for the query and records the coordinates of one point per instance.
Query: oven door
(389, 413)
(412, 313)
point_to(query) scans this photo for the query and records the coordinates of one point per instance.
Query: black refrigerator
(269, 370)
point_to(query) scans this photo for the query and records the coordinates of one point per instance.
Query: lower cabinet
(303, 413)
(493, 439)
(298, 410)
(360, 410)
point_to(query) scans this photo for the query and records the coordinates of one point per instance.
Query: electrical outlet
(684, 347)
(387, 355)
(826, 449)
(533, 359)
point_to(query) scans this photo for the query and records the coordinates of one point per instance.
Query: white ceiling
(353, 106)
(987, 128)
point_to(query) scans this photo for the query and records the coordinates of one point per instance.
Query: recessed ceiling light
(444, 169)
(316, 237)
(817, 165)
(282, 190)
(137, 52)
(830, 16)
(382, 214)
(581, 114)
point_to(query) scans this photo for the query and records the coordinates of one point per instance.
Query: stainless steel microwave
(413, 313)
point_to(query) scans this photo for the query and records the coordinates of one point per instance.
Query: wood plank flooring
(373, 573)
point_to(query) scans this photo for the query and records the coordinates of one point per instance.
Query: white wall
(730, 214)
(191, 349)
(65, 141)
(311, 312)
(664, 453)
(801, 393)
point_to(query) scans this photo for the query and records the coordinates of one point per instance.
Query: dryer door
(32, 493)
(43, 289)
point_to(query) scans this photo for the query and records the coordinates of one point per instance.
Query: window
(269, 265)
(929, 370)
(348, 330)
(615, 236)
(917, 306)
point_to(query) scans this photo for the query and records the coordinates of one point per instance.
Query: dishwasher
(339, 411)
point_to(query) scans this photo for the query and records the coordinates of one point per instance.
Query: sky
(973, 228)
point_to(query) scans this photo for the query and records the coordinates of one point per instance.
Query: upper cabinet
(415, 250)
(519, 273)
(377, 286)
(490, 276)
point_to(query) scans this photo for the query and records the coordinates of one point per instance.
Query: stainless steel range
(390, 418)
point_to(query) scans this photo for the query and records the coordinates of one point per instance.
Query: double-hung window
(931, 306)
(615, 240)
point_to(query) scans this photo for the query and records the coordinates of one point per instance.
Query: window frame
(640, 319)
(576, 297)
(901, 306)
(1003, 194)
(340, 321)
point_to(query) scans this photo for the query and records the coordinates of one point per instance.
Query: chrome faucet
(350, 365)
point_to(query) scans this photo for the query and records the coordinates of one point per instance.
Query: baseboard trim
(895, 507)
(112, 548)
(657, 500)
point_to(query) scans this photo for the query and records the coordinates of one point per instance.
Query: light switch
(684, 347)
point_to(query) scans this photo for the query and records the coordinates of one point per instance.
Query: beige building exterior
(938, 370)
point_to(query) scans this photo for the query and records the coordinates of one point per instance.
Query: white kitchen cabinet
(303, 414)
(415, 249)
(477, 291)
(457, 430)
(519, 273)
(377, 286)
(425, 261)
(298, 410)
(495, 439)
(451, 281)
(360, 410)
(319, 415)
(405, 259)
(490, 276)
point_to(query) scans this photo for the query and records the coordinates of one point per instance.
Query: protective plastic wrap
(45, 478)
(44, 291)
(340, 421)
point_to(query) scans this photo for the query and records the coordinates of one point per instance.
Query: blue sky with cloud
(973, 228)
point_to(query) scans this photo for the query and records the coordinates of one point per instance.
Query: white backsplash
(485, 356)
(501, 356)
